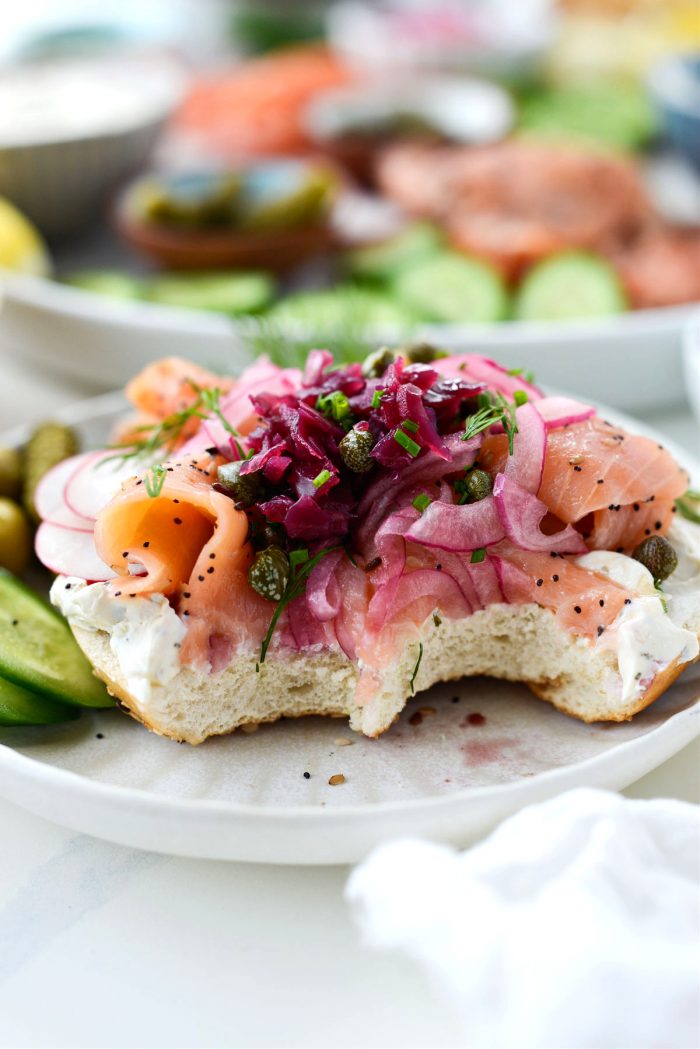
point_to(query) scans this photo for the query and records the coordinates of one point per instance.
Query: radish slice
(475, 368)
(96, 480)
(562, 411)
(49, 497)
(522, 513)
(67, 551)
(447, 526)
(526, 464)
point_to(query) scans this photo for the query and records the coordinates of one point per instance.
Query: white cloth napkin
(575, 924)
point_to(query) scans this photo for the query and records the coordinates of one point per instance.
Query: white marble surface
(104, 946)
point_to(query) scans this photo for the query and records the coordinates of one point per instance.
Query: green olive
(355, 449)
(269, 573)
(15, 537)
(657, 554)
(10, 472)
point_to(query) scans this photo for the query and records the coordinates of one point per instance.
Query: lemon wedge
(21, 246)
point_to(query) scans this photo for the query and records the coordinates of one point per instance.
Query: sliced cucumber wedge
(382, 261)
(571, 286)
(113, 283)
(232, 293)
(20, 707)
(38, 651)
(345, 308)
(453, 289)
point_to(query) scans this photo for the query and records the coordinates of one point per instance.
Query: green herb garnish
(415, 669)
(294, 587)
(478, 556)
(335, 406)
(154, 480)
(298, 557)
(410, 426)
(689, 506)
(377, 398)
(407, 443)
(422, 501)
(493, 409)
(321, 478)
(520, 398)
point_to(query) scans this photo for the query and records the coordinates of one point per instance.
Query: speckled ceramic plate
(460, 758)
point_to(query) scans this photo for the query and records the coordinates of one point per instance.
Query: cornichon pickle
(657, 554)
(50, 444)
(10, 472)
(15, 537)
(269, 573)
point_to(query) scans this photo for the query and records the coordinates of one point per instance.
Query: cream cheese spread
(647, 636)
(145, 634)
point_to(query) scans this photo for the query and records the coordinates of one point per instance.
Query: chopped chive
(407, 443)
(410, 425)
(334, 405)
(320, 479)
(422, 501)
(415, 669)
(520, 397)
(376, 398)
(478, 556)
(529, 377)
(515, 372)
(298, 557)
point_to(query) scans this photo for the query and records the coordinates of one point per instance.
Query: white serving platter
(633, 361)
(245, 797)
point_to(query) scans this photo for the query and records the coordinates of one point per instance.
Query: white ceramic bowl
(633, 361)
(69, 132)
(691, 360)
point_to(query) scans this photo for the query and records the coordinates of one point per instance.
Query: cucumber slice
(232, 293)
(343, 308)
(618, 115)
(108, 282)
(38, 651)
(379, 262)
(452, 289)
(20, 707)
(570, 286)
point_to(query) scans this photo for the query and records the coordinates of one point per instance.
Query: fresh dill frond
(493, 409)
(689, 506)
(154, 480)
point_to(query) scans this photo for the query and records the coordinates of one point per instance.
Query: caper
(15, 539)
(243, 488)
(10, 472)
(477, 485)
(421, 353)
(375, 364)
(355, 449)
(269, 573)
(657, 554)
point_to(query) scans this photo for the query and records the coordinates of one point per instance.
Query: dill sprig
(154, 480)
(494, 409)
(689, 506)
(161, 437)
(295, 585)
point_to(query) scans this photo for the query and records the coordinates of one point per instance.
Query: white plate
(633, 359)
(245, 797)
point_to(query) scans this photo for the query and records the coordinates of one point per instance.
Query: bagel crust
(520, 643)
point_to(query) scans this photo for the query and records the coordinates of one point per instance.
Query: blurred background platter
(220, 179)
